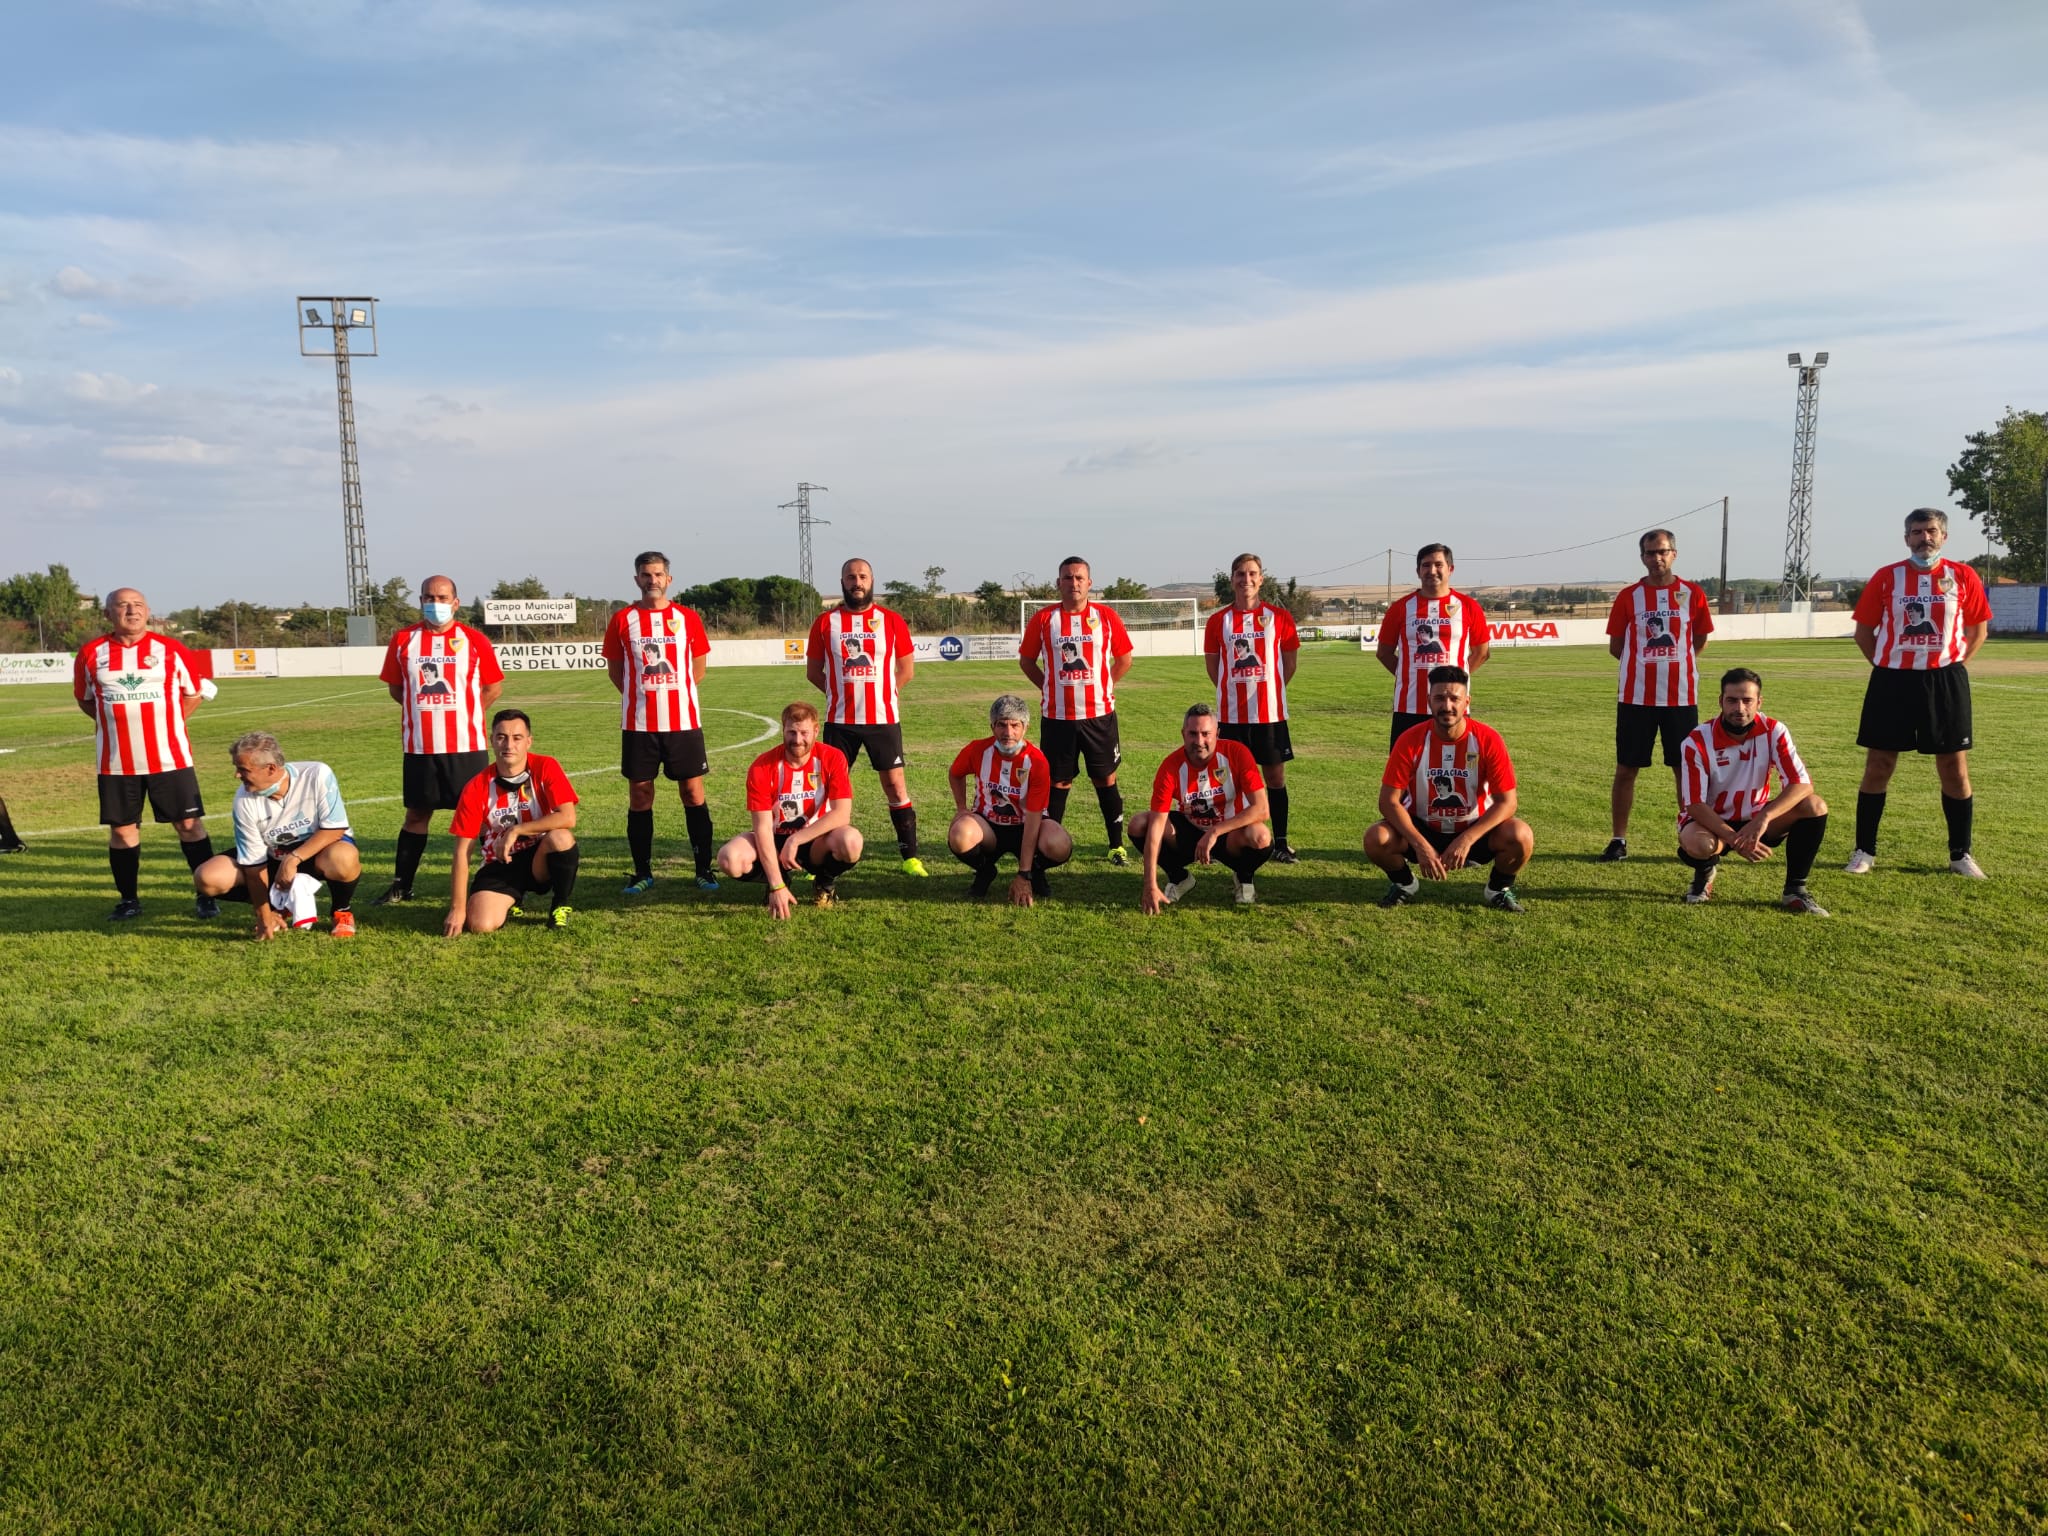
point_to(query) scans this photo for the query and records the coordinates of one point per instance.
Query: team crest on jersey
(1244, 656)
(856, 656)
(1448, 792)
(1429, 640)
(1660, 636)
(675, 624)
(1073, 662)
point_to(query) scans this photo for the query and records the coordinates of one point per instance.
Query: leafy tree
(934, 580)
(46, 603)
(1998, 481)
(1223, 592)
(525, 586)
(1124, 589)
(1299, 601)
(991, 593)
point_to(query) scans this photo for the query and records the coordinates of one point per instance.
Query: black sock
(1056, 803)
(1802, 847)
(1245, 865)
(640, 840)
(904, 819)
(1407, 876)
(1499, 879)
(342, 892)
(1111, 799)
(1959, 814)
(1869, 812)
(1175, 873)
(1703, 869)
(1276, 798)
(412, 847)
(8, 836)
(981, 856)
(827, 869)
(127, 866)
(562, 866)
(697, 821)
(198, 853)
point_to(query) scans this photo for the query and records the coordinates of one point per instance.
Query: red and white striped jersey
(138, 709)
(1657, 625)
(1449, 784)
(444, 676)
(492, 810)
(1216, 791)
(1004, 787)
(1430, 632)
(658, 646)
(860, 650)
(1250, 687)
(1920, 615)
(1075, 651)
(797, 794)
(1730, 774)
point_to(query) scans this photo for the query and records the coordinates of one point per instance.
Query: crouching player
(1448, 799)
(800, 796)
(1012, 783)
(521, 811)
(1208, 804)
(1724, 774)
(291, 833)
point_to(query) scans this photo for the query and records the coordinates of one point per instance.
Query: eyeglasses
(1662, 549)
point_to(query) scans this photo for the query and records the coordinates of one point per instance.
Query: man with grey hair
(1012, 783)
(139, 686)
(1208, 805)
(291, 833)
(1918, 623)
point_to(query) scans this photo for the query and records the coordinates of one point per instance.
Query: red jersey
(1218, 790)
(138, 697)
(658, 646)
(1447, 785)
(797, 794)
(1731, 775)
(1657, 625)
(1074, 650)
(493, 810)
(444, 677)
(1004, 787)
(1430, 632)
(1920, 615)
(860, 651)
(1250, 689)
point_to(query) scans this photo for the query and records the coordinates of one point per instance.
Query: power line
(1564, 549)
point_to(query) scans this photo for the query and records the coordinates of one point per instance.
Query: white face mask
(1009, 748)
(511, 781)
(438, 613)
(1927, 561)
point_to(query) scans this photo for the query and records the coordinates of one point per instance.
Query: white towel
(296, 899)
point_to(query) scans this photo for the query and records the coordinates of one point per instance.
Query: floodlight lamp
(312, 315)
(1820, 359)
(358, 317)
(1791, 359)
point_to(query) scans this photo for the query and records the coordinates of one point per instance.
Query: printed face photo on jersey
(1426, 643)
(1447, 791)
(1244, 656)
(1002, 807)
(653, 662)
(788, 809)
(1917, 625)
(857, 655)
(1072, 663)
(1205, 805)
(1657, 633)
(430, 684)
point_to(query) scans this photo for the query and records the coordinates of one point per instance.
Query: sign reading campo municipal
(530, 610)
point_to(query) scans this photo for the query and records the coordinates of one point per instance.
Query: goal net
(1136, 612)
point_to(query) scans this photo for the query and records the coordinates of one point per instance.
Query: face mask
(1925, 562)
(438, 613)
(515, 783)
(276, 791)
(1010, 748)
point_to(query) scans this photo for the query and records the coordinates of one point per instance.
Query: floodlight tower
(804, 522)
(327, 335)
(1797, 585)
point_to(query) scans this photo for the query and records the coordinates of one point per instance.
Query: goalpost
(1147, 613)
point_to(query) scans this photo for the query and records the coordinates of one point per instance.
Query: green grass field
(927, 1215)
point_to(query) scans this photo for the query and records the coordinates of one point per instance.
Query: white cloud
(107, 389)
(77, 283)
(93, 320)
(73, 498)
(169, 450)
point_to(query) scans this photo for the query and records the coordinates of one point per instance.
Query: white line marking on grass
(774, 729)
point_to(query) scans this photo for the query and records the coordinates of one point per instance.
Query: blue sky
(1151, 282)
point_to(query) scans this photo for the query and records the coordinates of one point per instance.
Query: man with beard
(1208, 805)
(860, 657)
(1724, 775)
(1012, 783)
(1447, 799)
(800, 795)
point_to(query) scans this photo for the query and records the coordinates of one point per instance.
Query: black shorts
(884, 743)
(1404, 723)
(239, 891)
(679, 754)
(1177, 848)
(1482, 850)
(1772, 838)
(512, 878)
(1916, 711)
(173, 796)
(434, 781)
(1269, 745)
(807, 855)
(1637, 727)
(1066, 742)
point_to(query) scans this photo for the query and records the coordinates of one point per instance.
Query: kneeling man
(291, 833)
(1012, 785)
(1448, 799)
(1208, 804)
(522, 811)
(801, 798)
(1724, 777)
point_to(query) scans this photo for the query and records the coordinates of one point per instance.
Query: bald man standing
(444, 677)
(138, 689)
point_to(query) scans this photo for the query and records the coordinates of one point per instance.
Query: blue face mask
(1927, 561)
(438, 613)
